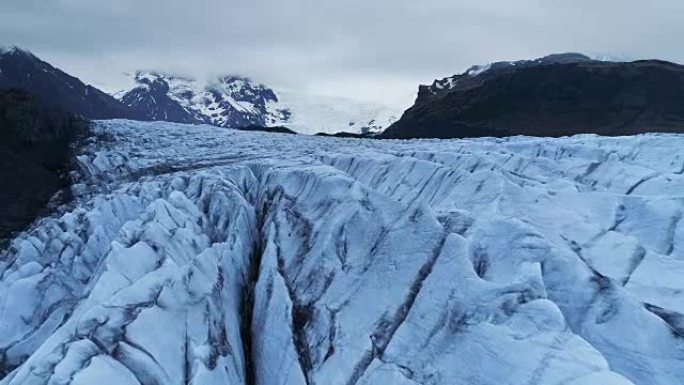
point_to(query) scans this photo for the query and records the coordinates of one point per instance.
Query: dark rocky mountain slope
(36, 146)
(58, 90)
(557, 95)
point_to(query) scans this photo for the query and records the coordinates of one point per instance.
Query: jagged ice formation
(200, 255)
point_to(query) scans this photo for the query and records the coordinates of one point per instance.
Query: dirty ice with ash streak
(200, 255)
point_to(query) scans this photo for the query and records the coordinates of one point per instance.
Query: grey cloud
(368, 49)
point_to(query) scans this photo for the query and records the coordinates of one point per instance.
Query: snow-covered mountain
(233, 101)
(199, 255)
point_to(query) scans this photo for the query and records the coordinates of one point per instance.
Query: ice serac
(200, 255)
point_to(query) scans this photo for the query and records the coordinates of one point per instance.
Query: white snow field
(200, 255)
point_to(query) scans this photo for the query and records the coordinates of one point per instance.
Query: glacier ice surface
(200, 255)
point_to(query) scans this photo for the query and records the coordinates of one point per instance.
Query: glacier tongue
(200, 255)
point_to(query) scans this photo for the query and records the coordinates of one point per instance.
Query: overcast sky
(360, 48)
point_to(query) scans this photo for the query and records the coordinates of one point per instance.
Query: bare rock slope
(558, 95)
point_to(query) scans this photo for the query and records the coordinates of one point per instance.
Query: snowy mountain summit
(227, 102)
(234, 101)
(199, 255)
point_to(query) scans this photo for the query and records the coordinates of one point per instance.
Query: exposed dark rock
(35, 148)
(151, 99)
(558, 95)
(367, 135)
(279, 129)
(58, 90)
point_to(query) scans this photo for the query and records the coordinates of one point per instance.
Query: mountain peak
(235, 79)
(15, 50)
(227, 101)
(235, 83)
(556, 58)
(473, 73)
(148, 76)
(54, 88)
(566, 57)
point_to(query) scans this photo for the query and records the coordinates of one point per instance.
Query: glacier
(193, 254)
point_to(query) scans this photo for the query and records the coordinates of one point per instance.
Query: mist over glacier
(195, 254)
